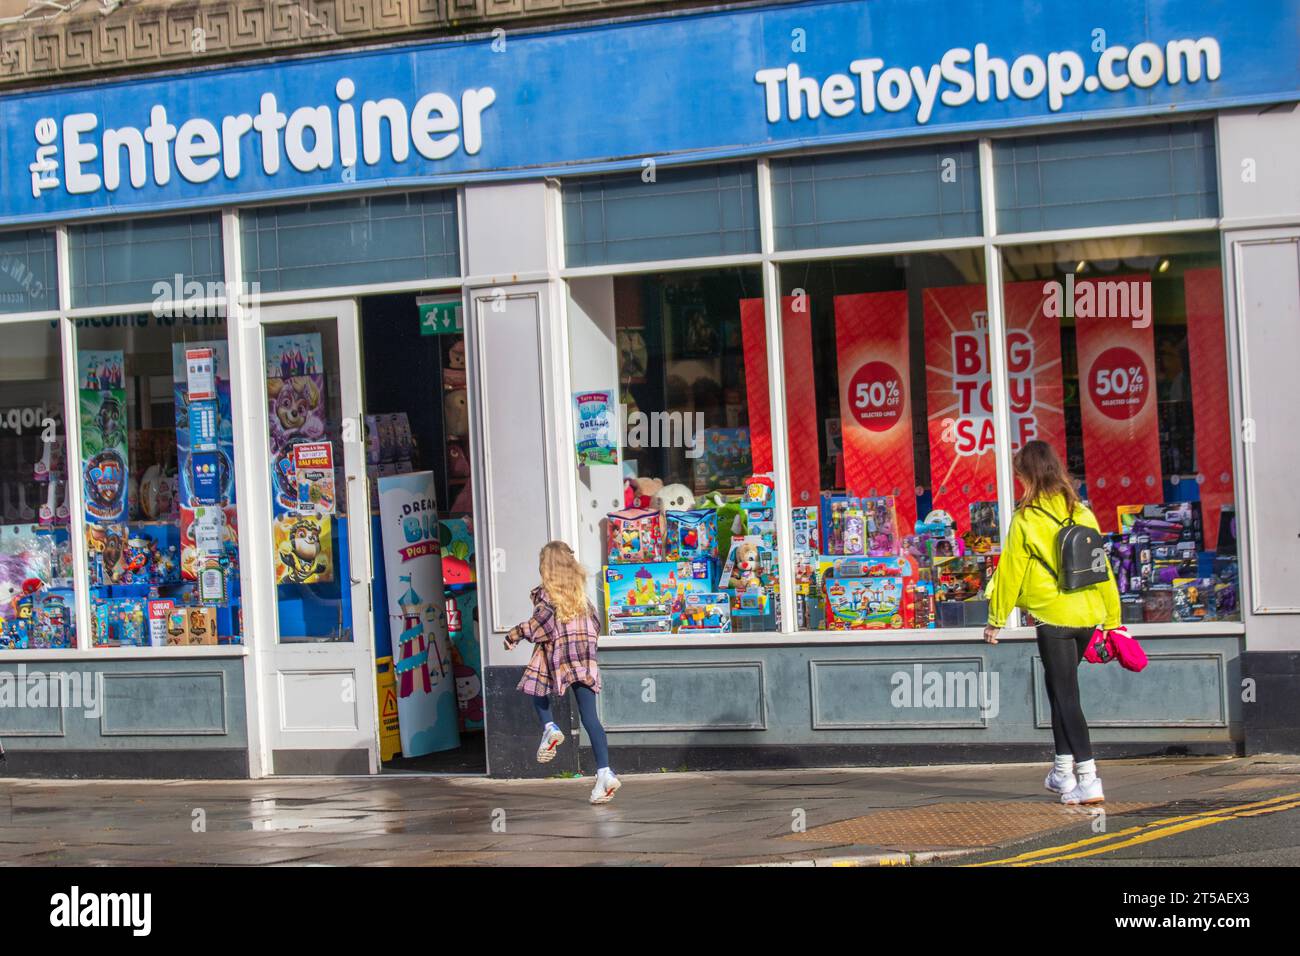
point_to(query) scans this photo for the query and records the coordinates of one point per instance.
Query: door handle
(353, 531)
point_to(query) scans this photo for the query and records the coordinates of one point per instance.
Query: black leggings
(1062, 649)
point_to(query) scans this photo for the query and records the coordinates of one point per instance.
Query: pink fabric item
(1100, 648)
(1127, 650)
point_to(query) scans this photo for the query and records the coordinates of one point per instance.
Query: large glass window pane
(1106, 177)
(309, 496)
(682, 212)
(1140, 330)
(28, 277)
(678, 503)
(157, 470)
(892, 458)
(360, 241)
(889, 195)
(123, 263)
(37, 609)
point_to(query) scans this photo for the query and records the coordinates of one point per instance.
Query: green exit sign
(440, 318)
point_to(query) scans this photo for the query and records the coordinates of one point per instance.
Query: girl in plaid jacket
(563, 630)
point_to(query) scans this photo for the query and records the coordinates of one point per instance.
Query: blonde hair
(565, 581)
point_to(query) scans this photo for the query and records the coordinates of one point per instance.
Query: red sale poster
(875, 401)
(963, 467)
(1117, 392)
(753, 333)
(800, 394)
(1208, 354)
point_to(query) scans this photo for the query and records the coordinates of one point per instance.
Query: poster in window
(959, 391)
(102, 392)
(1121, 431)
(875, 398)
(295, 389)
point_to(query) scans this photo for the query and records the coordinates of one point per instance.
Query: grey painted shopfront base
(864, 705)
(155, 718)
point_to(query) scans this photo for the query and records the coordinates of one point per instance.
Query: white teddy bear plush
(674, 498)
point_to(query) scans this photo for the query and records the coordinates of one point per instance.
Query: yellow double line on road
(1133, 836)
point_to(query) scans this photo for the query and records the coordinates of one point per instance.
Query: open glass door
(317, 658)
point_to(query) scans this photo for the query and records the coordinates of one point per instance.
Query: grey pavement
(949, 814)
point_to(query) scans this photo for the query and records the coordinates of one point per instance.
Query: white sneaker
(1085, 793)
(552, 737)
(1061, 781)
(606, 785)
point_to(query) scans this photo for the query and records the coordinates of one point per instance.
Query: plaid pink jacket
(563, 653)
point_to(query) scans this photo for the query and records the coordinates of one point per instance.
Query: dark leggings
(1062, 649)
(586, 698)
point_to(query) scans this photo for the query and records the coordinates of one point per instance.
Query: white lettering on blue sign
(309, 138)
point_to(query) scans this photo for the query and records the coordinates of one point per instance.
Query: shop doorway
(317, 673)
(416, 417)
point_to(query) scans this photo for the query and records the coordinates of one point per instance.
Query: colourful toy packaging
(636, 535)
(726, 460)
(882, 525)
(1194, 599)
(652, 590)
(748, 574)
(807, 537)
(1163, 524)
(118, 622)
(863, 603)
(760, 492)
(984, 536)
(691, 534)
(707, 612)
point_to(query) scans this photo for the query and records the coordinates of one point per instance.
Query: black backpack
(1078, 548)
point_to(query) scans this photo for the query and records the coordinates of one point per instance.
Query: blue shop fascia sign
(676, 89)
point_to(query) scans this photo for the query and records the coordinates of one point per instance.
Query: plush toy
(640, 492)
(453, 376)
(458, 461)
(673, 497)
(455, 407)
(745, 567)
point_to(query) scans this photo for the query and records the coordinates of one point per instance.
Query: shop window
(28, 274)
(896, 195)
(139, 260)
(1106, 177)
(1140, 329)
(373, 239)
(671, 408)
(892, 457)
(679, 213)
(157, 470)
(37, 609)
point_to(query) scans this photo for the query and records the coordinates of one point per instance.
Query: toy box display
(691, 534)
(1193, 599)
(863, 603)
(984, 536)
(805, 526)
(706, 612)
(749, 575)
(726, 460)
(635, 535)
(652, 590)
(192, 626)
(867, 526)
(118, 622)
(42, 620)
(1164, 523)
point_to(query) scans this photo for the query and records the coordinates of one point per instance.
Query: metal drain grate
(976, 824)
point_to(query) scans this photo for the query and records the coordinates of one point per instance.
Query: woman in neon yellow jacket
(1066, 620)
